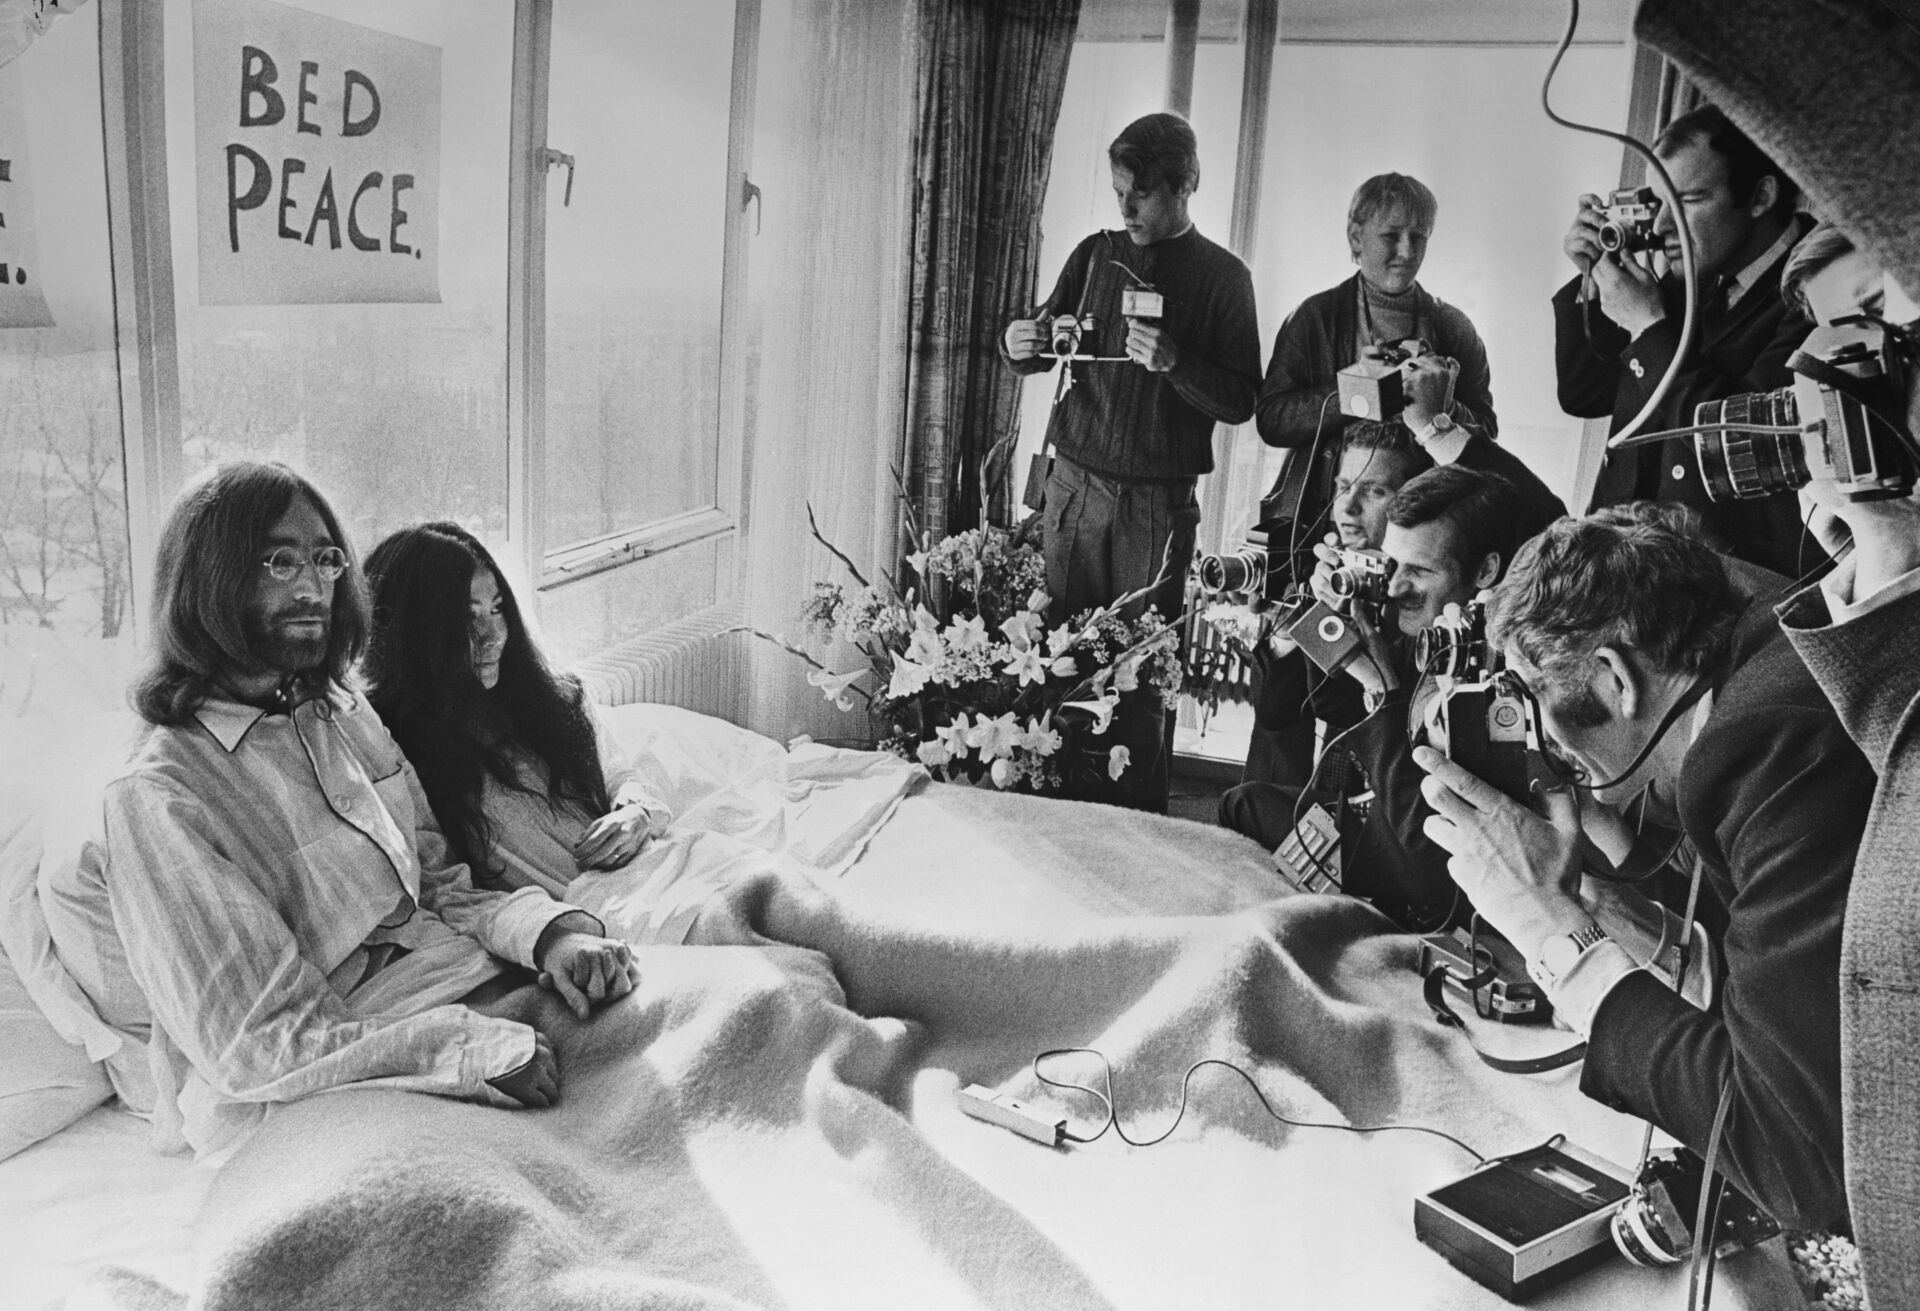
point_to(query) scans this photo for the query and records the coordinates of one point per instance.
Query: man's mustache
(295, 613)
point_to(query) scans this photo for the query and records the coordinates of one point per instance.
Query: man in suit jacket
(1617, 328)
(1658, 678)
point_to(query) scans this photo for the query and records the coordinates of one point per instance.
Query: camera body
(1064, 334)
(1376, 388)
(1848, 391)
(1269, 565)
(1654, 1226)
(1511, 997)
(1484, 720)
(1326, 633)
(1629, 222)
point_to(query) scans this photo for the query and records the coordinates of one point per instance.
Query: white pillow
(681, 757)
(46, 1083)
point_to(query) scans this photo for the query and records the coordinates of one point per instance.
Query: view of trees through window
(65, 587)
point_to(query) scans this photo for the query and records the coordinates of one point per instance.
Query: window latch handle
(750, 195)
(550, 157)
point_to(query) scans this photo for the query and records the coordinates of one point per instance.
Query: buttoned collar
(229, 721)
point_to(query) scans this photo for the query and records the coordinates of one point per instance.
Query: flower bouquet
(963, 674)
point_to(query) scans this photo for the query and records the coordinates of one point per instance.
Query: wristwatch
(1438, 426)
(1562, 951)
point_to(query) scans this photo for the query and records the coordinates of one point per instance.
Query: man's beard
(277, 650)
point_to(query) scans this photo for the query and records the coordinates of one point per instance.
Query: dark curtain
(991, 77)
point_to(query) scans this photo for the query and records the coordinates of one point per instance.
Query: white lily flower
(965, 636)
(1038, 600)
(1117, 761)
(955, 735)
(996, 737)
(834, 686)
(917, 561)
(1040, 738)
(1060, 639)
(923, 619)
(908, 678)
(1024, 629)
(923, 648)
(1063, 667)
(1101, 710)
(934, 752)
(1126, 674)
(1002, 772)
(1027, 666)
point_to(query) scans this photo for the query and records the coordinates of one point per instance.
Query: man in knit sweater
(1614, 340)
(1132, 429)
(1389, 222)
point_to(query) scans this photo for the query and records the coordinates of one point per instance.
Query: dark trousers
(1103, 538)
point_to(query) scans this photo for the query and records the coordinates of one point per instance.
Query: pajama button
(1679, 473)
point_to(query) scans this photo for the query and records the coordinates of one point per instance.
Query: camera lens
(1741, 464)
(1232, 573)
(1612, 236)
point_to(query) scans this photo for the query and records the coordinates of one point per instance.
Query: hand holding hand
(535, 1084)
(588, 971)
(1148, 344)
(1024, 338)
(615, 838)
(1521, 870)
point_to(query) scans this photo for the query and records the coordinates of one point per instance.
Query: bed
(756, 1129)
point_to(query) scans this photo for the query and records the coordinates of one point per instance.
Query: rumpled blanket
(774, 1126)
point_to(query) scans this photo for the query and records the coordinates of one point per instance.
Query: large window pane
(639, 96)
(65, 609)
(397, 410)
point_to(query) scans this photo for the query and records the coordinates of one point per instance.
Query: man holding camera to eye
(1448, 535)
(1162, 345)
(1446, 385)
(1662, 684)
(1617, 327)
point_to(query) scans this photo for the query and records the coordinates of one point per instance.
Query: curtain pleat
(992, 76)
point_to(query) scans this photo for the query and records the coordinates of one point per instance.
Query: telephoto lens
(1239, 572)
(1740, 464)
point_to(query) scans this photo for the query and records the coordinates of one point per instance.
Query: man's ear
(1766, 194)
(1618, 682)
(1488, 573)
(1353, 242)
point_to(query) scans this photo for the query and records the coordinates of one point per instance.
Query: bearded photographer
(1663, 686)
(1617, 327)
(1449, 534)
(1132, 429)
(1389, 223)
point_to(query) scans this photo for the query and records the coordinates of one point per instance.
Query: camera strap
(1432, 990)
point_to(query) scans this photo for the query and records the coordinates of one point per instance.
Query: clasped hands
(588, 971)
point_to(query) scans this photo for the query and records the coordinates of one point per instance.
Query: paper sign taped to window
(21, 303)
(316, 158)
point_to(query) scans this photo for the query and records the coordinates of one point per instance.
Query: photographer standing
(1133, 430)
(1660, 682)
(1617, 329)
(1389, 222)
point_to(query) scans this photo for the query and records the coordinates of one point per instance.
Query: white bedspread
(735, 1135)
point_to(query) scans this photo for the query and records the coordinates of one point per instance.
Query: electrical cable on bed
(1186, 1082)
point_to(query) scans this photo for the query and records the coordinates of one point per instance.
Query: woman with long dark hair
(527, 785)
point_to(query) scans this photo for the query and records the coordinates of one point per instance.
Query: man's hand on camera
(1629, 292)
(1582, 243)
(535, 1084)
(1520, 870)
(1024, 338)
(1429, 385)
(1148, 344)
(1326, 557)
(1885, 535)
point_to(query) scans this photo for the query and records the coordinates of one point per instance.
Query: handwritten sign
(317, 158)
(21, 303)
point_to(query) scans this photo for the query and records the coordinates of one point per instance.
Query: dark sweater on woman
(1118, 418)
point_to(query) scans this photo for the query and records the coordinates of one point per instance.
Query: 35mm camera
(1629, 223)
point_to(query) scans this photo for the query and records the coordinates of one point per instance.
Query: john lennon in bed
(281, 914)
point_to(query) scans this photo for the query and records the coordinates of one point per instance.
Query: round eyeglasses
(284, 563)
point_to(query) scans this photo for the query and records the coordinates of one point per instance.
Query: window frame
(530, 169)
